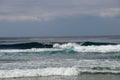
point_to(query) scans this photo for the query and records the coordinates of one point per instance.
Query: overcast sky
(19, 18)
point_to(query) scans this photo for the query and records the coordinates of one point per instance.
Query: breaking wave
(91, 48)
(30, 45)
(61, 71)
(70, 47)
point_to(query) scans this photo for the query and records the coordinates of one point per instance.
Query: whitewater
(70, 46)
(19, 58)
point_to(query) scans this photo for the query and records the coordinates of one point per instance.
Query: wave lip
(92, 48)
(102, 49)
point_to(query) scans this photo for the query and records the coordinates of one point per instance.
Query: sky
(36, 18)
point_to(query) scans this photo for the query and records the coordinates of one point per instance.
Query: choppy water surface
(30, 57)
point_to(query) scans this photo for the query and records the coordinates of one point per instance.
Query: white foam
(103, 49)
(38, 72)
(30, 50)
(71, 71)
(72, 46)
(65, 46)
(93, 48)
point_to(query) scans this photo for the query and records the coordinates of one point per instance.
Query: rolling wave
(30, 45)
(96, 43)
(91, 48)
(69, 47)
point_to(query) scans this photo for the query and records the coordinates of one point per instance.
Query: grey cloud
(38, 10)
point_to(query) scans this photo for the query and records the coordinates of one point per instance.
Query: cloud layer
(44, 10)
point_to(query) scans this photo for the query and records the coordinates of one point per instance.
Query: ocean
(60, 58)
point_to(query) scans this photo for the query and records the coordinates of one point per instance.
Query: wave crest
(69, 47)
(92, 48)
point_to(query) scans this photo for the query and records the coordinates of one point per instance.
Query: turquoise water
(60, 57)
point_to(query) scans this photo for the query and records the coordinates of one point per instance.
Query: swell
(30, 45)
(66, 48)
(26, 45)
(88, 43)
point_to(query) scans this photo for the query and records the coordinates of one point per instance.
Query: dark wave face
(34, 57)
(96, 43)
(26, 45)
(30, 45)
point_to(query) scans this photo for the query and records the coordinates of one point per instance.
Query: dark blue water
(69, 56)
